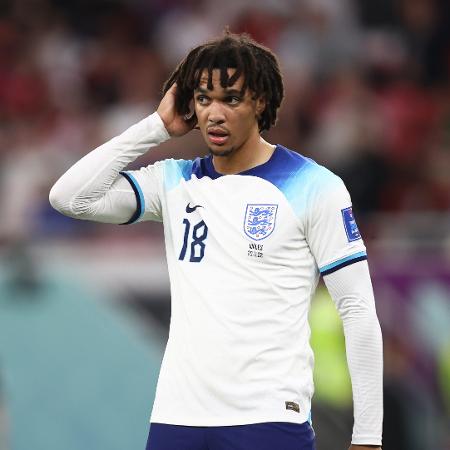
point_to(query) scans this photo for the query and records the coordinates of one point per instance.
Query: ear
(260, 106)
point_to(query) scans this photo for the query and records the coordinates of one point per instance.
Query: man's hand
(176, 125)
(364, 447)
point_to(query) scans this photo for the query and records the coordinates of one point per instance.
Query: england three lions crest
(259, 221)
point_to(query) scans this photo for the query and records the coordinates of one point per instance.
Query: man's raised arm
(92, 188)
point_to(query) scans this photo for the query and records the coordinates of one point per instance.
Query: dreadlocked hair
(257, 64)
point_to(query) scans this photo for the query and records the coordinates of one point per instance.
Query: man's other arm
(351, 289)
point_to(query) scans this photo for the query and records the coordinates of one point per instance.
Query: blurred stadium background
(84, 307)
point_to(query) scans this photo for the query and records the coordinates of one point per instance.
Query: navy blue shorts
(257, 436)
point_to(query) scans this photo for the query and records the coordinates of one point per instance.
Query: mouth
(217, 136)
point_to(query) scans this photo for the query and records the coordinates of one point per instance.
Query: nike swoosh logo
(190, 208)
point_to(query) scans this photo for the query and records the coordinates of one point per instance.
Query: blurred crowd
(367, 90)
(367, 95)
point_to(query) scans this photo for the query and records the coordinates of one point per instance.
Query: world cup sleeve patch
(351, 229)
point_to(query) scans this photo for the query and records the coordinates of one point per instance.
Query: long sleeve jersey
(244, 253)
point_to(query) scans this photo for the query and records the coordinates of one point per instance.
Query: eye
(202, 99)
(233, 100)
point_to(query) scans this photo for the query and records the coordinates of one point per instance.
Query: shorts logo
(259, 221)
(351, 229)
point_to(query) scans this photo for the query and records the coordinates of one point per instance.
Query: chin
(221, 151)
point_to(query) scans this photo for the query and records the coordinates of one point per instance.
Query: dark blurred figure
(409, 414)
(422, 26)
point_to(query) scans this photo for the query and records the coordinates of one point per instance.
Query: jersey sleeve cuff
(343, 262)
(367, 440)
(140, 200)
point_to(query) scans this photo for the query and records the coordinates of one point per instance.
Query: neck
(250, 155)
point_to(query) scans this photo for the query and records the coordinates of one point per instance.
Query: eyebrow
(226, 91)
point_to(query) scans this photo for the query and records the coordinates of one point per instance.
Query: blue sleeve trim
(140, 201)
(330, 268)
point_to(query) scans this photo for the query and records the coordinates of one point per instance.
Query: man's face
(226, 118)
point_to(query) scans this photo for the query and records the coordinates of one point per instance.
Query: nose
(216, 113)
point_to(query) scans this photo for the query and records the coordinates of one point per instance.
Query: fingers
(173, 89)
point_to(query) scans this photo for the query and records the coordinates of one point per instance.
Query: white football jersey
(244, 254)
